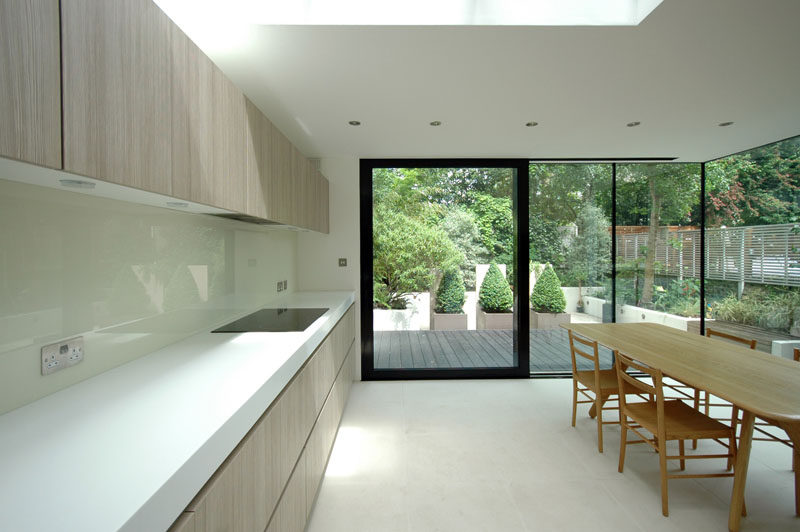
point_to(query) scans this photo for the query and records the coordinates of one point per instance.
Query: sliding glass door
(442, 264)
(570, 212)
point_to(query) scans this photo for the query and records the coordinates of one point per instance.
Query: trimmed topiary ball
(450, 295)
(495, 294)
(547, 295)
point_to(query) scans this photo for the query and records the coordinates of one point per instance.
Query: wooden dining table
(760, 384)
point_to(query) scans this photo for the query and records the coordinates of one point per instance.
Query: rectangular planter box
(548, 320)
(449, 322)
(495, 320)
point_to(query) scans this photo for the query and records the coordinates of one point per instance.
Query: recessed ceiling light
(725, 124)
(76, 183)
(178, 204)
(354, 123)
(632, 124)
(531, 124)
(436, 123)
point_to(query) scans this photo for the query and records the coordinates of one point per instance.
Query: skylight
(417, 12)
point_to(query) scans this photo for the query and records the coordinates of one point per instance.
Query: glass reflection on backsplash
(130, 278)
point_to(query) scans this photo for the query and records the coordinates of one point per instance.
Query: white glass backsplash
(130, 278)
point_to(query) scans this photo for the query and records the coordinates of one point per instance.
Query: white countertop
(130, 448)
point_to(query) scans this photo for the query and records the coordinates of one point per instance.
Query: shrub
(495, 294)
(547, 295)
(450, 295)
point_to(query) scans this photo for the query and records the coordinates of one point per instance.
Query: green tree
(450, 295)
(461, 227)
(405, 252)
(590, 250)
(656, 194)
(558, 191)
(496, 224)
(758, 187)
(547, 295)
(546, 241)
(495, 294)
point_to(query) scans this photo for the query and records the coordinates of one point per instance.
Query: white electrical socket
(63, 354)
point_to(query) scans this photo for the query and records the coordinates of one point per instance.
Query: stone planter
(495, 320)
(548, 320)
(449, 322)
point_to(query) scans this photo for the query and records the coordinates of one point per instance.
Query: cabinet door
(192, 122)
(280, 207)
(116, 84)
(30, 106)
(258, 135)
(214, 506)
(323, 204)
(299, 188)
(228, 158)
(290, 515)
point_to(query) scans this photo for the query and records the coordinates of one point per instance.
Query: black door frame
(521, 252)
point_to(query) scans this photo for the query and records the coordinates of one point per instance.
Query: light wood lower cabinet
(290, 515)
(271, 477)
(30, 105)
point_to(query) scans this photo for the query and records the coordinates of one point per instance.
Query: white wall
(129, 278)
(318, 255)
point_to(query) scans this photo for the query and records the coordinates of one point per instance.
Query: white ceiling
(689, 66)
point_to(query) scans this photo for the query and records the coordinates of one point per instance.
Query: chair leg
(574, 400)
(696, 407)
(599, 405)
(623, 442)
(682, 452)
(662, 460)
(734, 423)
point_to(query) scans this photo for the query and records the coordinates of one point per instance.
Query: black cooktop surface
(274, 320)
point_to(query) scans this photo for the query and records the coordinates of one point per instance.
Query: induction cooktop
(274, 320)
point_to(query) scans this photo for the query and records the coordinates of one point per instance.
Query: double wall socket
(63, 354)
(282, 285)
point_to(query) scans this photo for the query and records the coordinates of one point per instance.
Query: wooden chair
(665, 421)
(738, 339)
(761, 434)
(705, 400)
(602, 384)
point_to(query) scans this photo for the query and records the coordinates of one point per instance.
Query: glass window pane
(753, 246)
(570, 248)
(443, 268)
(658, 244)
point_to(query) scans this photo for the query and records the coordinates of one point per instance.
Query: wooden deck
(474, 349)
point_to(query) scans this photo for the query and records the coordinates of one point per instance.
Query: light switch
(342, 262)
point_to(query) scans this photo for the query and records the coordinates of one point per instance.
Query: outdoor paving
(475, 349)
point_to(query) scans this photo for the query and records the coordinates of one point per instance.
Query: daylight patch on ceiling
(415, 12)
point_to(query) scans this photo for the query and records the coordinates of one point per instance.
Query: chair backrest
(576, 345)
(731, 337)
(628, 384)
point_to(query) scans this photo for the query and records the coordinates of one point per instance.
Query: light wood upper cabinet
(30, 105)
(258, 139)
(192, 96)
(279, 199)
(116, 84)
(210, 131)
(145, 107)
(230, 148)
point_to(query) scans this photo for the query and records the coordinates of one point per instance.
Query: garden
(443, 242)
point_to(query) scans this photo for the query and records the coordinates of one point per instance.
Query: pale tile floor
(500, 455)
